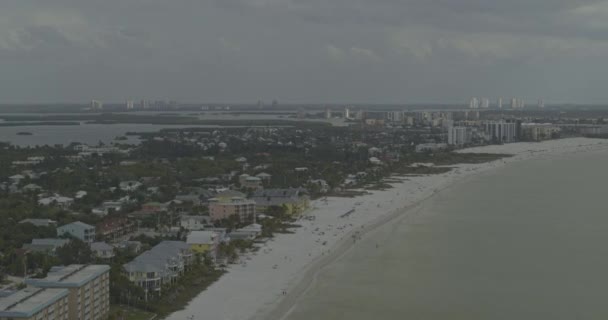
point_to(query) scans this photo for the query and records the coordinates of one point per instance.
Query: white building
(485, 103)
(96, 105)
(79, 230)
(129, 104)
(474, 103)
(458, 136)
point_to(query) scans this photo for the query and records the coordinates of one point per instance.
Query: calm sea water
(528, 241)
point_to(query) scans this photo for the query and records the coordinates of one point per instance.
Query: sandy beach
(267, 284)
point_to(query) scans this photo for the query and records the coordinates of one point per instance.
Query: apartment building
(88, 286)
(34, 303)
(230, 203)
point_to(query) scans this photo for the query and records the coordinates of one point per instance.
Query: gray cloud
(303, 50)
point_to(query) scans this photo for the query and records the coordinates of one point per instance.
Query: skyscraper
(129, 104)
(96, 105)
(474, 103)
(485, 103)
(499, 103)
(541, 103)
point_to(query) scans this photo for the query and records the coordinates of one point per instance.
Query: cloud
(295, 50)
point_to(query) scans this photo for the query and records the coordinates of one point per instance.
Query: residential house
(153, 207)
(130, 186)
(321, 184)
(40, 222)
(264, 176)
(204, 242)
(231, 203)
(102, 250)
(249, 182)
(60, 201)
(47, 245)
(159, 266)
(115, 227)
(194, 222)
(78, 230)
(133, 246)
(31, 187)
(294, 200)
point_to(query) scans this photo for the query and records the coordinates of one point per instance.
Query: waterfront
(525, 241)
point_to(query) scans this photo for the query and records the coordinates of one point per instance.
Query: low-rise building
(204, 242)
(159, 266)
(40, 222)
(89, 289)
(231, 203)
(194, 222)
(47, 245)
(78, 230)
(102, 250)
(114, 228)
(294, 200)
(33, 303)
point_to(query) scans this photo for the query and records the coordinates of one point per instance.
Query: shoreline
(256, 288)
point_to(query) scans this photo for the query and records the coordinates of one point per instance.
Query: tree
(75, 252)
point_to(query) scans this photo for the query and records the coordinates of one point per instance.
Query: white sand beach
(267, 283)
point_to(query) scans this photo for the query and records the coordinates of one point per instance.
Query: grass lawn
(128, 313)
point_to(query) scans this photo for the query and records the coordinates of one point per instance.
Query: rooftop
(74, 275)
(201, 237)
(29, 301)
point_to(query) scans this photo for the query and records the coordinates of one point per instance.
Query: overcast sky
(379, 51)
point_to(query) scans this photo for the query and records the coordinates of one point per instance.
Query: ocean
(525, 241)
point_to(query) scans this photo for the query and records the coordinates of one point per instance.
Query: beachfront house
(294, 200)
(161, 265)
(231, 203)
(204, 242)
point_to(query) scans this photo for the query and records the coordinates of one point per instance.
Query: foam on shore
(267, 283)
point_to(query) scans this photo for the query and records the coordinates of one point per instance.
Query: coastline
(255, 289)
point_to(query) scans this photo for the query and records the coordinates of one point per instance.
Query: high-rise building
(499, 103)
(514, 103)
(89, 289)
(474, 103)
(96, 105)
(346, 113)
(144, 104)
(395, 116)
(327, 113)
(501, 131)
(458, 136)
(485, 103)
(541, 103)
(129, 105)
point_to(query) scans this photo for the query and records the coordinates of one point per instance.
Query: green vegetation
(39, 123)
(122, 312)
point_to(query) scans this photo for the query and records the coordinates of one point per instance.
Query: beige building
(230, 203)
(36, 304)
(88, 286)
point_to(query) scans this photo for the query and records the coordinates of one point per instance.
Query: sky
(303, 51)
